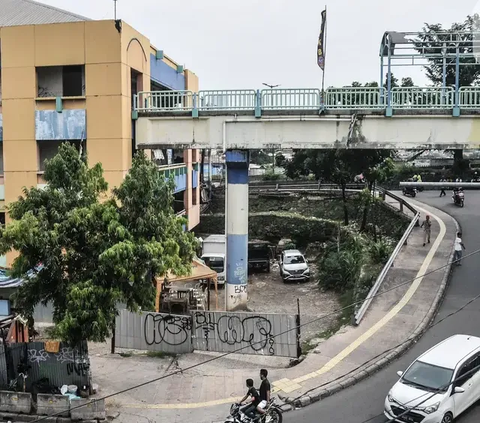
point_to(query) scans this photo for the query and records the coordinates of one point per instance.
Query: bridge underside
(423, 130)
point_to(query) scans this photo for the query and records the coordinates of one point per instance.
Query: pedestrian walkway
(203, 394)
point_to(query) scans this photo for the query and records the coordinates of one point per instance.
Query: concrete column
(237, 229)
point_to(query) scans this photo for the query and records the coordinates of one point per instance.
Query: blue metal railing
(346, 98)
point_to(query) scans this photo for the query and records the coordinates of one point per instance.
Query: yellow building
(65, 77)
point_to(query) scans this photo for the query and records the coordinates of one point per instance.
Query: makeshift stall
(170, 295)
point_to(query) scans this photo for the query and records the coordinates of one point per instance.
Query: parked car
(439, 385)
(294, 267)
(259, 256)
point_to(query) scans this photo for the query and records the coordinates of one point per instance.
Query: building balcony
(179, 174)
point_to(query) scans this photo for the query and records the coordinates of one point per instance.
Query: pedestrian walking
(459, 246)
(442, 189)
(427, 229)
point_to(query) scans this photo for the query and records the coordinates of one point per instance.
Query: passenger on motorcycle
(249, 410)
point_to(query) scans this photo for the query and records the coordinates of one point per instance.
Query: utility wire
(249, 345)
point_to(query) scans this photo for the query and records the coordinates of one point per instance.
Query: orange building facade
(75, 81)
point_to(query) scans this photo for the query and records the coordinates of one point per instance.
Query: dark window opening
(179, 202)
(178, 156)
(2, 218)
(61, 81)
(47, 150)
(194, 196)
(73, 81)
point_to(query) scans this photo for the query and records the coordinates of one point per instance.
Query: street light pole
(272, 87)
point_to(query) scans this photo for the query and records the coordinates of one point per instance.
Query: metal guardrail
(360, 313)
(300, 186)
(438, 185)
(347, 98)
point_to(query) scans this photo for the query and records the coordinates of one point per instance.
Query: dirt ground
(267, 293)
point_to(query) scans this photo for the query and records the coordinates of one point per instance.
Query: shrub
(270, 176)
(380, 251)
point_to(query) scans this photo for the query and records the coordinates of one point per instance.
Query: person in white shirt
(458, 249)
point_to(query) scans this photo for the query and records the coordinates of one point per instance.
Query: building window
(194, 196)
(2, 218)
(178, 202)
(61, 81)
(47, 150)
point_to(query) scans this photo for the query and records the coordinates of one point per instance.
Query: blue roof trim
(164, 75)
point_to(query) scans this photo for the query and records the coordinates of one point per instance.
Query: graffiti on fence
(36, 356)
(234, 330)
(172, 330)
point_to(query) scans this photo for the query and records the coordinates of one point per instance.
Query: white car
(439, 385)
(294, 267)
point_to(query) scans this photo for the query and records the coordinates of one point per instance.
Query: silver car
(294, 267)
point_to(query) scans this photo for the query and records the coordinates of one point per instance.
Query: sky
(242, 44)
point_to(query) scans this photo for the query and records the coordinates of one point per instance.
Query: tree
(85, 256)
(433, 39)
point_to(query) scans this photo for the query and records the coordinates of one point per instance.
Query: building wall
(102, 115)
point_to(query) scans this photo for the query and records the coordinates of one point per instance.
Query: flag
(321, 42)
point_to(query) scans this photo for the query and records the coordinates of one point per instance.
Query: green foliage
(260, 157)
(381, 250)
(94, 254)
(340, 268)
(270, 176)
(432, 40)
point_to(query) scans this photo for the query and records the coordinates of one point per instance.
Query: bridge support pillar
(237, 162)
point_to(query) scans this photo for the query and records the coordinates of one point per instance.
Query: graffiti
(171, 330)
(234, 330)
(66, 355)
(240, 273)
(240, 289)
(80, 369)
(35, 356)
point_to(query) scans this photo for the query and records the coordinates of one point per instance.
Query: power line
(257, 342)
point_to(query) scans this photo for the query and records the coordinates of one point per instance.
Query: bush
(380, 251)
(340, 269)
(270, 176)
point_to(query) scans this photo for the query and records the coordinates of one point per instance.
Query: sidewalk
(204, 394)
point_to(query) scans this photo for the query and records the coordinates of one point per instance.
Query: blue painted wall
(1, 127)
(163, 74)
(180, 183)
(68, 125)
(179, 177)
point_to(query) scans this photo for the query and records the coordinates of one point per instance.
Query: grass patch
(125, 355)
(159, 354)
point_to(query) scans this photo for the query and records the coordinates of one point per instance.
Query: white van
(213, 254)
(439, 385)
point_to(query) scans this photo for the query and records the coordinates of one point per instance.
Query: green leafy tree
(84, 255)
(432, 40)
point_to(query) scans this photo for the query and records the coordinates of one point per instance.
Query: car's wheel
(447, 418)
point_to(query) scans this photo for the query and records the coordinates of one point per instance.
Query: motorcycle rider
(264, 391)
(249, 410)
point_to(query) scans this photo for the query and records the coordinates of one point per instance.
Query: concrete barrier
(84, 409)
(48, 404)
(15, 402)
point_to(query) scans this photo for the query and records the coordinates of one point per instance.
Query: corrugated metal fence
(251, 333)
(69, 366)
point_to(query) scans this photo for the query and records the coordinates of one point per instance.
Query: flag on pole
(321, 42)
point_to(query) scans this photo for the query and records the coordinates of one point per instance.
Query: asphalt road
(364, 402)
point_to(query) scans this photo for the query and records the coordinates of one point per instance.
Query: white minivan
(439, 385)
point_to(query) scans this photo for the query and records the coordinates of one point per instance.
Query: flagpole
(324, 52)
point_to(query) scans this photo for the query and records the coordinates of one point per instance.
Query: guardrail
(347, 98)
(360, 313)
(438, 185)
(300, 186)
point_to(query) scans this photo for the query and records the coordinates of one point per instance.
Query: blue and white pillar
(237, 229)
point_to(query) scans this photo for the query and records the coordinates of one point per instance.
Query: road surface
(364, 402)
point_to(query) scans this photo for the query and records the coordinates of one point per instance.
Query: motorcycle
(273, 414)
(459, 199)
(412, 192)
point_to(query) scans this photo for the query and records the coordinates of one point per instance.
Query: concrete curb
(369, 369)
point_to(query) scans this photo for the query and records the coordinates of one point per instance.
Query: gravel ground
(267, 293)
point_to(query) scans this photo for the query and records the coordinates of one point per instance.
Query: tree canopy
(84, 255)
(434, 38)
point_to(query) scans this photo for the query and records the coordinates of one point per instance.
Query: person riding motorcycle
(457, 193)
(250, 409)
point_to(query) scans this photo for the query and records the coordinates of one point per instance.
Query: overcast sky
(241, 44)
